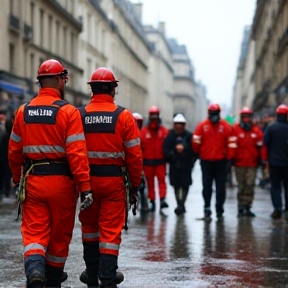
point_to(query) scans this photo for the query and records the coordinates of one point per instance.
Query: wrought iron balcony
(14, 22)
(283, 41)
(28, 32)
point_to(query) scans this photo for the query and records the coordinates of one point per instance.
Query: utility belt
(48, 167)
(39, 167)
(107, 170)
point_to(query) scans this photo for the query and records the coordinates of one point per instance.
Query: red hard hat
(154, 109)
(52, 67)
(282, 109)
(246, 110)
(103, 74)
(214, 107)
(137, 116)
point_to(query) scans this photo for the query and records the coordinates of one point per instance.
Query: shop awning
(11, 88)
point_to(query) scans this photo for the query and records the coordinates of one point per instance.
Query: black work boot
(84, 277)
(180, 209)
(64, 277)
(249, 213)
(53, 276)
(241, 211)
(89, 276)
(35, 271)
(277, 214)
(207, 213)
(144, 202)
(163, 203)
(152, 206)
(106, 283)
(37, 284)
(91, 258)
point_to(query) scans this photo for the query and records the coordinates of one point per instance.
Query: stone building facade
(84, 35)
(269, 40)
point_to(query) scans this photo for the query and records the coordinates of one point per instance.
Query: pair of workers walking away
(48, 153)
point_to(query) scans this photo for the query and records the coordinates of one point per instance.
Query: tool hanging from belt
(38, 167)
(21, 192)
(128, 186)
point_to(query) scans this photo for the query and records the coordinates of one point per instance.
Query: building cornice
(135, 28)
(65, 62)
(75, 22)
(185, 96)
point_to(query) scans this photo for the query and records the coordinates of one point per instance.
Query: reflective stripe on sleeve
(98, 154)
(232, 138)
(90, 235)
(15, 137)
(110, 246)
(43, 149)
(75, 137)
(33, 246)
(132, 143)
(232, 145)
(197, 139)
(259, 143)
(56, 259)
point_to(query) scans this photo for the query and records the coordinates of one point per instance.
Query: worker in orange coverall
(47, 140)
(152, 139)
(213, 141)
(113, 144)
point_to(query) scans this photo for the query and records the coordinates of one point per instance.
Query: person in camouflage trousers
(248, 140)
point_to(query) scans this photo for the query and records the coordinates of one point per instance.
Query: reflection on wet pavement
(163, 250)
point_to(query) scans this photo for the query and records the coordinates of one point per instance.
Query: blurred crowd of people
(226, 152)
(250, 152)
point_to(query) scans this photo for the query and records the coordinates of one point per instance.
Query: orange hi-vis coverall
(48, 132)
(153, 159)
(113, 141)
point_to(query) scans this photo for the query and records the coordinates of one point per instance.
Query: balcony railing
(283, 41)
(14, 22)
(28, 32)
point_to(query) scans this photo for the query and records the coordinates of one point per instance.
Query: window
(11, 57)
(89, 66)
(89, 34)
(50, 31)
(32, 7)
(65, 41)
(72, 46)
(32, 67)
(57, 37)
(41, 27)
(11, 7)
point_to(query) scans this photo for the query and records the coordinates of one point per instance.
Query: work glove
(133, 199)
(16, 190)
(86, 199)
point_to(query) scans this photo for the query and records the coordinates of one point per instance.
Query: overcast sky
(212, 31)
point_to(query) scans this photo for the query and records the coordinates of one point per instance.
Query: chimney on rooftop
(161, 27)
(138, 11)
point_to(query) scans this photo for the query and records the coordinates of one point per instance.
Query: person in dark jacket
(5, 175)
(178, 152)
(275, 140)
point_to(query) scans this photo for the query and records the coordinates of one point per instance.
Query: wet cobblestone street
(165, 250)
